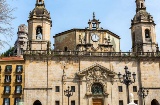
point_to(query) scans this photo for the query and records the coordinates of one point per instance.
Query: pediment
(96, 71)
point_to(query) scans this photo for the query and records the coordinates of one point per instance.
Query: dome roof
(142, 16)
(39, 11)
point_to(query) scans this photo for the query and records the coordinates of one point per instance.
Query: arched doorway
(154, 102)
(37, 102)
(97, 89)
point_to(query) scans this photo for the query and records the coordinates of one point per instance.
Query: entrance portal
(97, 102)
(154, 102)
(37, 102)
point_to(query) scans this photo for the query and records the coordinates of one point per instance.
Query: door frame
(102, 99)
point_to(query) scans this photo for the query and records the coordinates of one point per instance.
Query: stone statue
(131, 98)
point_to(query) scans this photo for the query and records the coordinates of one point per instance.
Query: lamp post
(126, 79)
(68, 93)
(143, 93)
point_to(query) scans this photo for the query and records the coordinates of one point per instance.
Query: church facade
(88, 62)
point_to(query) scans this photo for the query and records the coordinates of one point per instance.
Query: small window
(120, 102)
(7, 89)
(120, 89)
(0, 69)
(18, 89)
(147, 33)
(65, 49)
(16, 101)
(6, 101)
(57, 102)
(73, 88)
(8, 69)
(134, 88)
(7, 79)
(39, 33)
(19, 68)
(57, 89)
(73, 102)
(136, 102)
(18, 78)
(97, 88)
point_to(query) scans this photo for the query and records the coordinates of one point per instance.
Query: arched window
(141, 5)
(37, 102)
(147, 33)
(97, 88)
(40, 1)
(39, 33)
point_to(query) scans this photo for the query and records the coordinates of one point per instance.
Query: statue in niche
(39, 33)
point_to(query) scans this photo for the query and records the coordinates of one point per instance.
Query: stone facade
(39, 26)
(90, 39)
(82, 72)
(89, 61)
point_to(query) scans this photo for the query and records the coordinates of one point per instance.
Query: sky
(114, 15)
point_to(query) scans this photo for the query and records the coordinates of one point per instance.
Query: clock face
(95, 38)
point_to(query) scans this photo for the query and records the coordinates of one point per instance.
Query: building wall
(13, 74)
(66, 40)
(62, 72)
(83, 37)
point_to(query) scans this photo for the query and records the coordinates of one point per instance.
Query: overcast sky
(114, 15)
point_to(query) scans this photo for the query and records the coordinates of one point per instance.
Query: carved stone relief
(96, 74)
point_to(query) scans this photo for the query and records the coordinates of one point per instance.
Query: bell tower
(39, 26)
(143, 30)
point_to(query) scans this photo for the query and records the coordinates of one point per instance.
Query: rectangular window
(72, 102)
(73, 88)
(7, 78)
(6, 101)
(8, 69)
(18, 89)
(7, 89)
(134, 88)
(57, 102)
(16, 101)
(0, 69)
(19, 68)
(120, 89)
(136, 102)
(120, 102)
(18, 78)
(57, 89)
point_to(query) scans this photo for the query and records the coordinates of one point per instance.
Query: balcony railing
(6, 92)
(85, 53)
(18, 92)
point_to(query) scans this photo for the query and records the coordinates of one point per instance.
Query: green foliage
(8, 53)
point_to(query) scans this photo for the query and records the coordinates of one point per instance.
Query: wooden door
(97, 102)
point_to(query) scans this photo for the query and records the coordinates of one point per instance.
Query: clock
(95, 38)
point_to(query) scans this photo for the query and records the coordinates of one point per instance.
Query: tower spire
(140, 4)
(93, 15)
(40, 3)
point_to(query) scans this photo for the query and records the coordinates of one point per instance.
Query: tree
(6, 30)
(8, 53)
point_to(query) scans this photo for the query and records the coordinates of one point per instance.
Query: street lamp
(68, 93)
(143, 93)
(126, 79)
